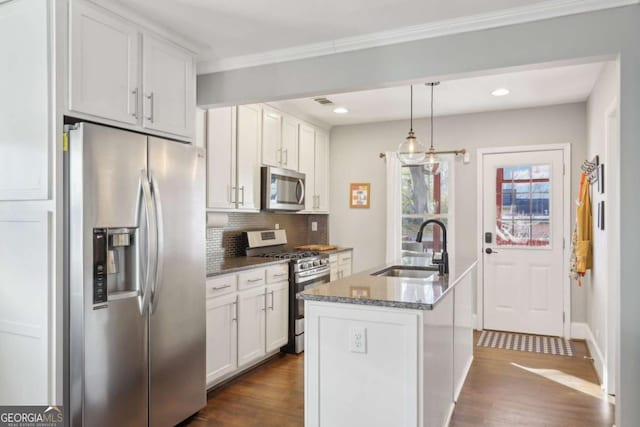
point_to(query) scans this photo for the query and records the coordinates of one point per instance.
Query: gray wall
(611, 33)
(596, 285)
(364, 229)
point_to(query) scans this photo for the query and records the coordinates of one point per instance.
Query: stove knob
(316, 262)
(305, 265)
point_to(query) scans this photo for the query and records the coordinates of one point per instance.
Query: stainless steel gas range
(306, 269)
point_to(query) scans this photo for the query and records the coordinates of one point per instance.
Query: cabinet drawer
(221, 285)
(278, 273)
(344, 258)
(251, 279)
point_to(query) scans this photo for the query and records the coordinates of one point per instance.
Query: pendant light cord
(411, 116)
(432, 116)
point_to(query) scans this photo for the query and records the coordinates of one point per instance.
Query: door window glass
(523, 206)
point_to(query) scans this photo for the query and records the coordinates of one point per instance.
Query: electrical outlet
(358, 339)
(276, 227)
(314, 225)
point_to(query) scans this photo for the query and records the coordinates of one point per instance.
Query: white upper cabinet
(120, 73)
(322, 172)
(221, 158)
(248, 151)
(169, 84)
(307, 163)
(104, 64)
(271, 137)
(289, 143)
(25, 137)
(314, 163)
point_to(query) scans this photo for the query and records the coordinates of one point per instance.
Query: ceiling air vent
(323, 101)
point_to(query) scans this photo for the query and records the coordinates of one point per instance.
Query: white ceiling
(240, 27)
(532, 88)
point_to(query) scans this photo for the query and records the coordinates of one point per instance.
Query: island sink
(405, 271)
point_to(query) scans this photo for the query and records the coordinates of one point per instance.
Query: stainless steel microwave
(282, 189)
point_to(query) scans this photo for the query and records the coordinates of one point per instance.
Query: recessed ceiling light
(500, 92)
(340, 110)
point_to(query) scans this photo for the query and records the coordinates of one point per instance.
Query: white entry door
(523, 242)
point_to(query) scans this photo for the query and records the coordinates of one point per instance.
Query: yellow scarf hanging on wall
(584, 230)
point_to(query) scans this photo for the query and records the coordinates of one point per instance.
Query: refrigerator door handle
(157, 278)
(152, 242)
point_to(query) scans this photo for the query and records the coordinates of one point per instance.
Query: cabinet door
(222, 336)
(25, 139)
(272, 154)
(344, 271)
(24, 308)
(289, 143)
(322, 172)
(277, 315)
(249, 157)
(169, 82)
(103, 69)
(221, 158)
(307, 163)
(251, 325)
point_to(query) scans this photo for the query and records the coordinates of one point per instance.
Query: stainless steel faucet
(443, 262)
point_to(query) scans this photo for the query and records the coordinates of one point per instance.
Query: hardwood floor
(496, 393)
(271, 395)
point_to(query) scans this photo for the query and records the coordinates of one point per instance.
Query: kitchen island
(390, 346)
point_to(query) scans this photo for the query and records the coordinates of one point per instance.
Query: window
(522, 205)
(424, 196)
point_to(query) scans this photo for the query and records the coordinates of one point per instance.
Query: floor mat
(522, 342)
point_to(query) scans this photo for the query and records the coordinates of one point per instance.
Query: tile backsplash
(227, 242)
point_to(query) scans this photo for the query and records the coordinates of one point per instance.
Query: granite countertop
(396, 292)
(231, 265)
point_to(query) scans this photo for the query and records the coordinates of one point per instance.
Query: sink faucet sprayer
(443, 262)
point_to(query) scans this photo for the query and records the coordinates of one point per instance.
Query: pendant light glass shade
(411, 151)
(432, 166)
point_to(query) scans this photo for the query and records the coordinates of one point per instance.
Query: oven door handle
(305, 279)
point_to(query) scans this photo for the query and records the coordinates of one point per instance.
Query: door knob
(490, 251)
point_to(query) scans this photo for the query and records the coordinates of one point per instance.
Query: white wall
(604, 94)
(354, 158)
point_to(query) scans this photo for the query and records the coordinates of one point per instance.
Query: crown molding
(535, 12)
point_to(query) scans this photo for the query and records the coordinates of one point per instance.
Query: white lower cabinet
(222, 337)
(251, 325)
(341, 265)
(277, 316)
(247, 319)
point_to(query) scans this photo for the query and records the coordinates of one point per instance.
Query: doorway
(523, 201)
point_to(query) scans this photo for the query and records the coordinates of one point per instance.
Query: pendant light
(411, 151)
(432, 165)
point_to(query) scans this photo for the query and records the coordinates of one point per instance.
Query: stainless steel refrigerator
(136, 278)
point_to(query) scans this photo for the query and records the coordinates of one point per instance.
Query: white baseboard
(582, 331)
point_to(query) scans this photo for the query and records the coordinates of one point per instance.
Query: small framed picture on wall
(360, 195)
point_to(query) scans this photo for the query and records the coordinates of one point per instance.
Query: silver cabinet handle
(151, 108)
(254, 280)
(242, 190)
(135, 103)
(272, 301)
(235, 311)
(279, 274)
(286, 157)
(217, 288)
(279, 155)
